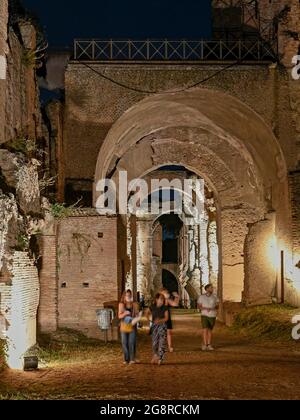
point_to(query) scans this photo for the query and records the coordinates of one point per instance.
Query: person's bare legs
(205, 338)
(170, 341)
(209, 337)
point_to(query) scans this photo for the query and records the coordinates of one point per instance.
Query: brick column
(48, 309)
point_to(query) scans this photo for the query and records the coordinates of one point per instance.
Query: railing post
(148, 49)
(129, 50)
(111, 49)
(166, 49)
(93, 50)
(75, 49)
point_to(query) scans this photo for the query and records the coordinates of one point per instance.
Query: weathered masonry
(223, 111)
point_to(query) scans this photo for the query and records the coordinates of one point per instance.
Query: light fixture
(30, 363)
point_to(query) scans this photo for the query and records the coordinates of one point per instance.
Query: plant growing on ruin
(47, 182)
(22, 242)
(22, 145)
(60, 211)
(34, 57)
(83, 243)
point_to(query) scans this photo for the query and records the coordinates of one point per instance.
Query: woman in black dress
(170, 301)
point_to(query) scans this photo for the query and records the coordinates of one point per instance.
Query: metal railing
(166, 50)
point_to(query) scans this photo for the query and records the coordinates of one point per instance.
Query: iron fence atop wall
(172, 51)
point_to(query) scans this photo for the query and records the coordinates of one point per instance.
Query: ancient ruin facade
(22, 207)
(229, 118)
(232, 124)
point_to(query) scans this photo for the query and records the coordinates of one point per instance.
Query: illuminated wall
(19, 301)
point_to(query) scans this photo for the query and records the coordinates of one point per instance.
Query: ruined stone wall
(87, 261)
(94, 104)
(48, 308)
(22, 108)
(21, 130)
(3, 52)
(295, 197)
(56, 158)
(18, 306)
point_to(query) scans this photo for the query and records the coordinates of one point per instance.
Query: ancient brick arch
(224, 141)
(209, 111)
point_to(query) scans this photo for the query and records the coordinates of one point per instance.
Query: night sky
(136, 19)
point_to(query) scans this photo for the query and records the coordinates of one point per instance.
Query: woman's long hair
(158, 296)
(123, 298)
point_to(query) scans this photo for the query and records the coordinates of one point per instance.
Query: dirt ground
(238, 369)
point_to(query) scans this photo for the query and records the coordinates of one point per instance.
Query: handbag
(126, 328)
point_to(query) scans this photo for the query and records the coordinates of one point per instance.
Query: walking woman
(128, 310)
(171, 301)
(160, 316)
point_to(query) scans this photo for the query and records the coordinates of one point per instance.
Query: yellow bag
(126, 328)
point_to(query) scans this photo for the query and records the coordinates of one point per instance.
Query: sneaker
(204, 348)
(210, 348)
(171, 350)
(132, 362)
(125, 363)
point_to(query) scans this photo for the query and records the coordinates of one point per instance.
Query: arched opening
(169, 281)
(180, 238)
(171, 228)
(223, 141)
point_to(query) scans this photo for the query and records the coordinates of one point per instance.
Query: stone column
(213, 253)
(131, 278)
(204, 266)
(144, 257)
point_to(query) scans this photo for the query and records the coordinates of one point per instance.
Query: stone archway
(226, 143)
(169, 281)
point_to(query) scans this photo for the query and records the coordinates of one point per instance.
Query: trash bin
(105, 318)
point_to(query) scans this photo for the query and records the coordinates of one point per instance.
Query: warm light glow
(273, 253)
(16, 333)
(296, 276)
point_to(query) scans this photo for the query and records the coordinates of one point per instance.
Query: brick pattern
(48, 314)
(21, 296)
(87, 256)
(295, 197)
(19, 301)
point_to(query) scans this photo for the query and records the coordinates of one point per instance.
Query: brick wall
(19, 301)
(87, 256)
(295, 193)
(295, 197)
(47, 314)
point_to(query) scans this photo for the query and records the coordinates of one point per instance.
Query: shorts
(208, 323)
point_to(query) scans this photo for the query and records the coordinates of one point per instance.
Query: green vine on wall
(83, 244)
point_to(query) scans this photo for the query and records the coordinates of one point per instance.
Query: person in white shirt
(209, 305)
